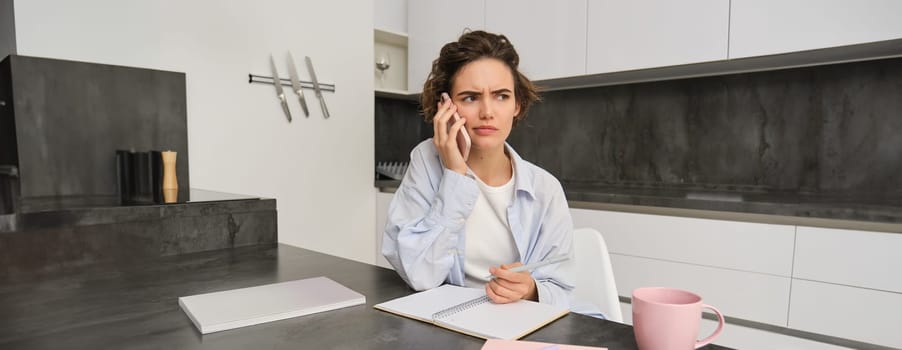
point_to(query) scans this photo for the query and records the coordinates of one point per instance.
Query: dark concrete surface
(135, 306)
(56, 240)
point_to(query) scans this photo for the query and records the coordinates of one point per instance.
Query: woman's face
(483, 91)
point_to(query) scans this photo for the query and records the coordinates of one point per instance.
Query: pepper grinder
(170, 183)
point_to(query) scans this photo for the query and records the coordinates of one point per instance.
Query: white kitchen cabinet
(383, 199)
(627, 35)
(836, 282)
(549, 36)
(854, 258)
(766, 27)
(754, 247)
(431, 24)
(854, 313)
(747, 295)
(390, 15)
(743, 268)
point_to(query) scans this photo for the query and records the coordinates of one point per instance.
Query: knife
(296, 83)
(316, 89)
(278, 84)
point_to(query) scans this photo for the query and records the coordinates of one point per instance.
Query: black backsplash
(834, 129)
(63, 122)
(399, 128)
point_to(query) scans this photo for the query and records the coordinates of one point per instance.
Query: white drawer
(742, 246)
(747, 295)
(856, 258)
(739, 337)
(861, 314)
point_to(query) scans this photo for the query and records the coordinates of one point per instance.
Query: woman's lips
(485, 130)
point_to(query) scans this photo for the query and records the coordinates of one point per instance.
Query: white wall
(320, 171)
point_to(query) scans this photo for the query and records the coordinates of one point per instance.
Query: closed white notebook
(469, 311)
(219, 311)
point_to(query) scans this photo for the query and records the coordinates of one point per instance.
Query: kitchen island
(135, 306)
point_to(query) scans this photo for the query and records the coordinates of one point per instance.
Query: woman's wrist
(462, 171)
(533, 293)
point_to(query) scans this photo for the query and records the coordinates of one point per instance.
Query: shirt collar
(524, 180)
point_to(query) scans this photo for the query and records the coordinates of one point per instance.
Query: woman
(456, 220)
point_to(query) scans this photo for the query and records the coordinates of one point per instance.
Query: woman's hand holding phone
(451, 139)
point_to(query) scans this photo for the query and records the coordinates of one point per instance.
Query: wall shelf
(397, 94)
(391, 45)
(390, 37)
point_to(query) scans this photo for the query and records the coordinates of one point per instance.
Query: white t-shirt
(489, 241)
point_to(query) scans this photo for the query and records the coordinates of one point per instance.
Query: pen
(537, 264)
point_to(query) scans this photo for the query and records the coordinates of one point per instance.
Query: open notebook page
(480, 318)
(505, 321)
(422, 305)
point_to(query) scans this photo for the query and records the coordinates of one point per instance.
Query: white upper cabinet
(765, 27)
(390, 15)
(627, 35)
(431, 24)
(570, 38)
(550, 36)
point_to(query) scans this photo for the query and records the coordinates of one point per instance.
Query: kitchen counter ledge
(869, 214)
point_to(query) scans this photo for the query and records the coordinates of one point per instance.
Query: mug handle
(717, 331)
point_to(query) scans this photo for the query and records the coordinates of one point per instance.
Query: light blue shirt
(425, 231)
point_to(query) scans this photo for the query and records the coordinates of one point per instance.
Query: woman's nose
(486, 109)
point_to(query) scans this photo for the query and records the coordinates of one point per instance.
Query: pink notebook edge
(501, 344)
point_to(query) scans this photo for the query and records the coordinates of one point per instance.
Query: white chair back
(593, 273)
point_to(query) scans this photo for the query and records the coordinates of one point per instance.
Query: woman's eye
(468, 99)
(502, 97)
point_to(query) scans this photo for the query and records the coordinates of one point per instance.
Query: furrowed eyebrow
(469, 93)
(477, 93)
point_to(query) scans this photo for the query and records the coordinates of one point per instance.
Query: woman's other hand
(508, 287)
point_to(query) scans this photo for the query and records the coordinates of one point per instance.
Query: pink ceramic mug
(669, 318)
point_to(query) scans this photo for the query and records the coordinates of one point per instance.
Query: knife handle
(303, 103)
(287, 112)
(322, 103)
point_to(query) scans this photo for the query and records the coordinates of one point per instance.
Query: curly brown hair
(472, 46)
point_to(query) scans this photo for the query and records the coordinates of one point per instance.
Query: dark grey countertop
(75, 212)
(185, 196)
(135, 306)
(868, 213)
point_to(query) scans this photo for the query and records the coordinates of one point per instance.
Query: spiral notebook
(469, 311)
